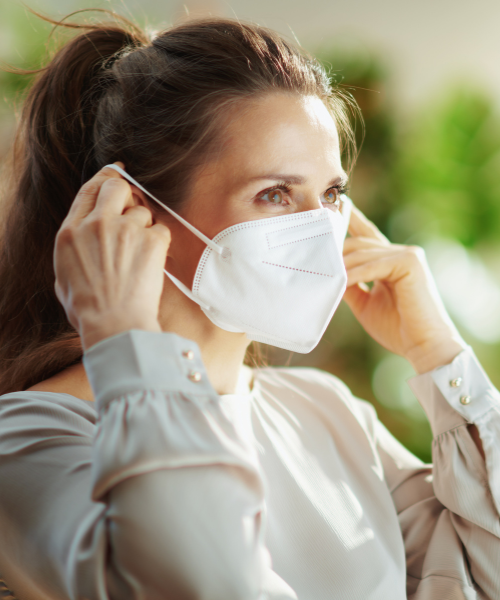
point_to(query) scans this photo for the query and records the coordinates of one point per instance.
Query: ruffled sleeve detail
(461, 532)
(157, 410)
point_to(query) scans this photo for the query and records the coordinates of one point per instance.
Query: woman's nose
(310, 202)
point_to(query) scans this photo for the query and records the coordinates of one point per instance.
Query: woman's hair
(157, 104)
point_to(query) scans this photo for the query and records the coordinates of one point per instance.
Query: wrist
(435, 353)
(95, 330)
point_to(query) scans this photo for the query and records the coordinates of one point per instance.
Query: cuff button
(456, 382)
(189, 354)
(194, 376)
(465, 399)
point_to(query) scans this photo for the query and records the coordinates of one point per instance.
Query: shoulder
(31, 416)
(36, 400)
(320, 390)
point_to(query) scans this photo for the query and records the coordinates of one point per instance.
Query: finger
(85, 201)
(114, 197)
(353, 244)
(356, 297)
(391, 269)
(140, 214)
(163, 232)
(360, 226)
(367, 255)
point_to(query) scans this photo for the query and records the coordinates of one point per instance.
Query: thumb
(356, 297)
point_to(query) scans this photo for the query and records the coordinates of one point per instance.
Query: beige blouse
(163, 490)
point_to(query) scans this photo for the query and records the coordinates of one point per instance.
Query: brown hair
(111, 94)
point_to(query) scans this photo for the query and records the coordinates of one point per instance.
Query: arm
(163, 500)
(449, 513)
(174, 505)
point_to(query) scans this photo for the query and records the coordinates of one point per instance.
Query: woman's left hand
(403, 310)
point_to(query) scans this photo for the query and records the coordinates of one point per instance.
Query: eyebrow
(297, 180)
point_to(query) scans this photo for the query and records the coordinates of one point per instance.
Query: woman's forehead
(281, 133)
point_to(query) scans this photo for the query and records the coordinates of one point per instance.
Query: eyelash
(285, 188)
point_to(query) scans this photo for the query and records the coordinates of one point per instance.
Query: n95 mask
(277, 279)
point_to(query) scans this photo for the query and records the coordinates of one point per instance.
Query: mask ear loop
(212, 245)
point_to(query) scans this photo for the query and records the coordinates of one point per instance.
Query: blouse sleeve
(449, 512)
(163, 500)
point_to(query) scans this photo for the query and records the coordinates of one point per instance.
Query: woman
(159, 467)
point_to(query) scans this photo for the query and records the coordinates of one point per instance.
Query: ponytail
(52, 156)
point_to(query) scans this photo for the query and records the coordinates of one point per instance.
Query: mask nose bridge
(211, 244)
(292, 234)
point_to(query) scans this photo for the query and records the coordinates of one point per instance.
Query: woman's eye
(274, 196)
(332, 196)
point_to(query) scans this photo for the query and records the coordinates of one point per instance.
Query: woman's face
(280, 155)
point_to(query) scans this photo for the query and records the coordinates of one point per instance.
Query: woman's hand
(403, 310)
(108, 260)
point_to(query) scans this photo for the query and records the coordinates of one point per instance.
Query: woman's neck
(222, 352)
(72, 380)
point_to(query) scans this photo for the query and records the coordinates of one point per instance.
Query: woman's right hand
(109, 258)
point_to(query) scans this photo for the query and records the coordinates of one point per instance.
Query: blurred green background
(428, 174)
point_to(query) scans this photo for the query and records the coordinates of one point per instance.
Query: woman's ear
(139, 197)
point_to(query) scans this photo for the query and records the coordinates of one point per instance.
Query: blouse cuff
(455, 394)
(139, 360)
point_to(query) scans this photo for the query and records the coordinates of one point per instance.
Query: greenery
(431, 175)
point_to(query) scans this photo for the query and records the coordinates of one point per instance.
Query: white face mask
(279, 279)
